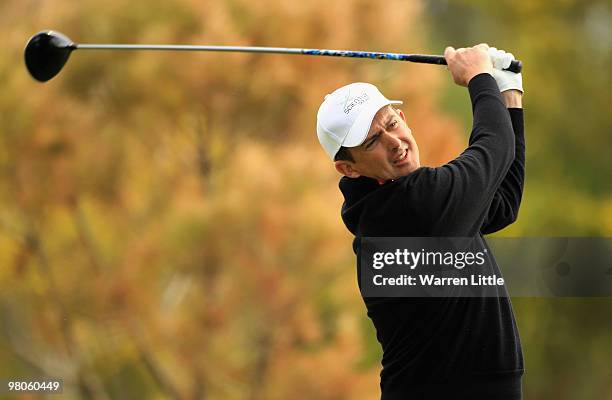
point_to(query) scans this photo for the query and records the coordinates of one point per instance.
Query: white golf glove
(506, 80)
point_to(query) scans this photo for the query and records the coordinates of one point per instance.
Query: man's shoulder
(422, 176)
(416, 187)
(371, 184)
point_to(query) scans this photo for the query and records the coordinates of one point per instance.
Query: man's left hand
(506, 80)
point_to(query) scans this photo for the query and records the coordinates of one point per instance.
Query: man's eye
(393, 124)
(371, 143)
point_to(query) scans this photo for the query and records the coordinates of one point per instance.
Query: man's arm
(505, 205)
(506, 202)
(513, 98)
(459, 193)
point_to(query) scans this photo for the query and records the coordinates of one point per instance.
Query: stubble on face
(389, 151)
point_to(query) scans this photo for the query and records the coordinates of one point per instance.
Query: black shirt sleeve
(507, 199)
(460, 192)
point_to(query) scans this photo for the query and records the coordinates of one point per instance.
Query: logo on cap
(357, 100)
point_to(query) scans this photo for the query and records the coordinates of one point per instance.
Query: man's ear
(401, 113)
(346, 169)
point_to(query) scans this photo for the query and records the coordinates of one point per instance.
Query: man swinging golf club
(435, 348)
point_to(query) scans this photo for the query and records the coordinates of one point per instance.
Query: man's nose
(393, 142)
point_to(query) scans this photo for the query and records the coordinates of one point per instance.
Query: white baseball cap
(345, 116)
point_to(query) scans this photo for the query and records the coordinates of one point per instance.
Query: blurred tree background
(170, 227)
(566, 48)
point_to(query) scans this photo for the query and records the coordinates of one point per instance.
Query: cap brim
(359, 131)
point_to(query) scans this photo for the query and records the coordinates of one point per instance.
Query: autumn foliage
(169, 226)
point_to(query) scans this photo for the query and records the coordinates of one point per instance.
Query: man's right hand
(466, 63)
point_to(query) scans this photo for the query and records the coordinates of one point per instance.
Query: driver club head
(46, 53)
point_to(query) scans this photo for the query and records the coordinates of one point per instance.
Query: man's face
(388, 152)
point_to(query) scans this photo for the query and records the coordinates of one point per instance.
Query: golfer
(435, 348)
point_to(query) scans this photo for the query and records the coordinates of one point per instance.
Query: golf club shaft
(419, 58)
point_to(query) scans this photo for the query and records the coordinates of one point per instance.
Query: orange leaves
(183, 205)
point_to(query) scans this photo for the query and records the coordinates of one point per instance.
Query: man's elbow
(500, 223)
(511, 216)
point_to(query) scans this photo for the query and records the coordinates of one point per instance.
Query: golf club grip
(516, 66)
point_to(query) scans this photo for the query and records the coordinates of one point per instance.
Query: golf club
(47, 52)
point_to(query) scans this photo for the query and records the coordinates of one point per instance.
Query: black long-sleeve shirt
(459, 347)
